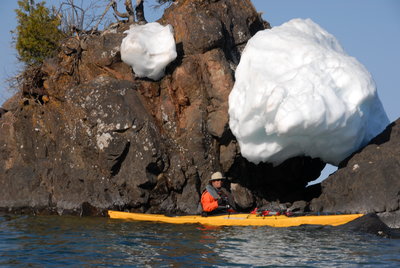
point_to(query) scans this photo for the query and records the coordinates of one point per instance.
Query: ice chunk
(298, 93)
(149, 49)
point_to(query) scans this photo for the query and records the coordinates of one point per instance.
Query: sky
(369, 30)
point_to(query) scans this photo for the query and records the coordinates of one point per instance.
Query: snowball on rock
(149, 49)
(298, 93)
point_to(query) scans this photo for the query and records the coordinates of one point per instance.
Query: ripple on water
(52, 241)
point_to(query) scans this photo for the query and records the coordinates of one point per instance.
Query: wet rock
(368, 181)
(371, 223)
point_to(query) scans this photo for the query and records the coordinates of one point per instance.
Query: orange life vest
(208, 202)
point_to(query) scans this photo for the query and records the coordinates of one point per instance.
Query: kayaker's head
(216, 180)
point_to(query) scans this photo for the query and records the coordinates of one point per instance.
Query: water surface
(53, 241)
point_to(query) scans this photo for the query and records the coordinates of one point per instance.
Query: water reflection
(309, 246)
(72, 241)
(282, 247)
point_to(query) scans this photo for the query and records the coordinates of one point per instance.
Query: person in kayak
(215, 198)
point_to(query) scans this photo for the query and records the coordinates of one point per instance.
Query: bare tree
(83, 16)
(130, 12)
(78, 16)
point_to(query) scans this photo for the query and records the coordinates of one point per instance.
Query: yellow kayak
(239, 219)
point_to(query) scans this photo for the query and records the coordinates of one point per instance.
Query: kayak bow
(239, 219)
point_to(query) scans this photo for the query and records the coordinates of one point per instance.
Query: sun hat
(217, 176)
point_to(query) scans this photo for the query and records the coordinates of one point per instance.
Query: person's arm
(231, 200)
(208, 202)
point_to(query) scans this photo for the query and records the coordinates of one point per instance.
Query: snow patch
(298, 93)
(149, 49)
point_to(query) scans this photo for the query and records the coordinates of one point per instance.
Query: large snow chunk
(149, 49)
(298, 93)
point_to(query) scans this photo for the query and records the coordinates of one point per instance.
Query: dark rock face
(368, 181)
(91, 137)
(201, 26)
(62, 156)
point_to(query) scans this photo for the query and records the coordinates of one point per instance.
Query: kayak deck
(239, 219)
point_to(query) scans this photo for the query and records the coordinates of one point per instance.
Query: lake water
(53, 241)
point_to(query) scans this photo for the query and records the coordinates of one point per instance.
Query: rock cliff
(368, 181)
(85, 135)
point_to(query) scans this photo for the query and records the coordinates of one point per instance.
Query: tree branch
(129, 14)
(102, 16)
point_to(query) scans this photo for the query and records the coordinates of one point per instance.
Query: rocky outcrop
(61, 158)
(85, 135)
(368, 181)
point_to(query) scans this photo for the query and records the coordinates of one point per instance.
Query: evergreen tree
(37, 32)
